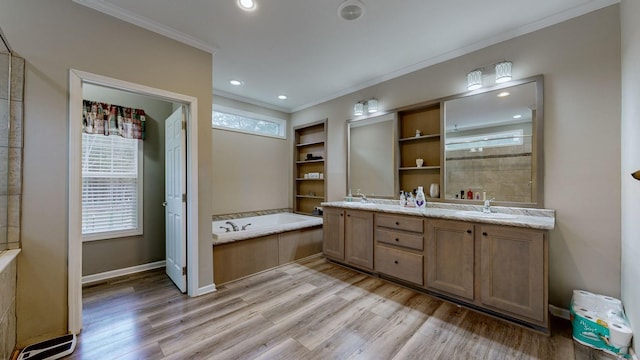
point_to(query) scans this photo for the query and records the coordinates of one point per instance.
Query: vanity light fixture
(503, 72)
(358, 109)
(474, 80)
(247, 5)
(372, 106)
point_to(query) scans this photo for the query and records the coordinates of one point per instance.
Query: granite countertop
(521, 217)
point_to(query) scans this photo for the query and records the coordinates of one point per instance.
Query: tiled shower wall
(11, 145)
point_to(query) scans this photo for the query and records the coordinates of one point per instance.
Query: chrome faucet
(363, 196)
(244, 227)
(486, 209)
(234, 226)
(225, 228)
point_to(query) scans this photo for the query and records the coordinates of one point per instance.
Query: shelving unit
(308, 192)
(427, 146)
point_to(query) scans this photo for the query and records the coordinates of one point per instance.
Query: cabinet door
(333, 233)
(359, 238)
(450, 257)
(513, 271)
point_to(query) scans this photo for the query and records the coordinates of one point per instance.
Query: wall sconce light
(371, 107)
(474, 80)
(503, 72)
(358, 109)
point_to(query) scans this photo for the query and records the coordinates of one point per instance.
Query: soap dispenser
(421, 200)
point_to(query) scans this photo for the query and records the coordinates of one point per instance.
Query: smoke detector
(351, 10)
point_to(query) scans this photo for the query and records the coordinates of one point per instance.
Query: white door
(175, 199)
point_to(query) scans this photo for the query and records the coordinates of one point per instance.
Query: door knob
(164, 203)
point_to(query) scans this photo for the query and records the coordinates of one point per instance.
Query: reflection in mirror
(371, 147)
(490, 144)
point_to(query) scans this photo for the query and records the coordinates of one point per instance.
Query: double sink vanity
(495, 263)
(482, 145)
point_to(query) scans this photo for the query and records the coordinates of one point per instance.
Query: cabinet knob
(468, 231)
(484, 234)
(397, 239)
(348, 215)
(397, 223)
(395, 261)
(341, 215)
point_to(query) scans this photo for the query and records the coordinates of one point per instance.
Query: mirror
(492, 144)
(371, 145)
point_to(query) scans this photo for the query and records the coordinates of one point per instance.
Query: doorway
(76, 80)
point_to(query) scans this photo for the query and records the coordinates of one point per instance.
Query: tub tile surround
(523, 217)
(249, 214)
(8, 303)
(11, 150)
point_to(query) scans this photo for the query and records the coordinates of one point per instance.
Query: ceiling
(302, 49)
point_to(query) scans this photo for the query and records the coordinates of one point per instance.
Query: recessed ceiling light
(282, 97)
(247, 5)
(235, 82)
(351, 10)
(517, 116)
(503, 94)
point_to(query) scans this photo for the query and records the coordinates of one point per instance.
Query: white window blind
(111, 187)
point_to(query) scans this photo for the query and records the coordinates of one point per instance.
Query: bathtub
(270, 241)
(261, 226)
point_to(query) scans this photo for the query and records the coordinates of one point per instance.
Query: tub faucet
(234, 226)
(225, 228)
(244, 227)
(486, 209)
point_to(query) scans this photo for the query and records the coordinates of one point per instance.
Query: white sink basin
(480, 214)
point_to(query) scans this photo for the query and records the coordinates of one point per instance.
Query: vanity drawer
(412, 241)
(406, 223)
(399, 264)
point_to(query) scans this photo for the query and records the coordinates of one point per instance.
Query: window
(246, 122)
(478, 142)
(111, 187)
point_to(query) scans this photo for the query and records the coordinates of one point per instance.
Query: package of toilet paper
(599, 322)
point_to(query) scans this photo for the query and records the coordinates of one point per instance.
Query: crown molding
(146, 23)
(522, 30)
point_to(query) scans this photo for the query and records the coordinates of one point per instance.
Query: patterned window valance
(108, 119)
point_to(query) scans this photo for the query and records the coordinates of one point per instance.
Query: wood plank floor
(311, 309)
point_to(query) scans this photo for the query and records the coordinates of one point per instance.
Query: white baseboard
(560, 312)
(90, 279)
(206, 289)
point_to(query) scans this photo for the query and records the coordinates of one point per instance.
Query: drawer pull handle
(468, 231)
(484, 234)
(395, 261)
(397, 223)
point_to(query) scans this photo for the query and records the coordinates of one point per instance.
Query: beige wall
(250, 172)
(54, 36)
(580, 60)
(112, 254)
(630, 12)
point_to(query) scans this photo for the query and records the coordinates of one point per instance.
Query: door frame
(74, 261)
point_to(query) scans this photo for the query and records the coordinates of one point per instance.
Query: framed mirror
(371, 156)
(493, 144)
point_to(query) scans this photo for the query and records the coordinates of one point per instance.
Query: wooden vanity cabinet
(333, 233)
(348, 236)
(358, 239)
(513, 271)
(399, 246)
(450, 258)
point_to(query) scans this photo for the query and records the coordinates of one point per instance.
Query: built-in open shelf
(310, 140)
